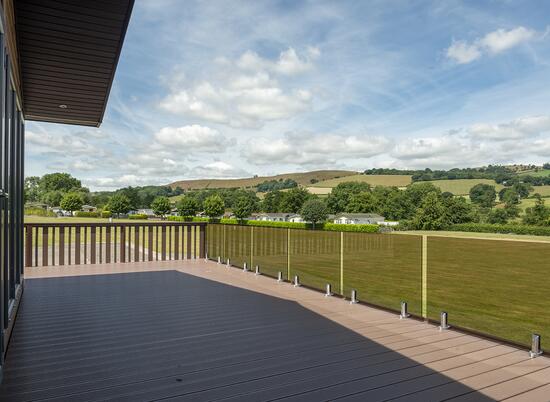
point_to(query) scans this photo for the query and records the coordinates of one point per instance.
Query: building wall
(11, 178)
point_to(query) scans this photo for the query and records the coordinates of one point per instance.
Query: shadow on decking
(154, 335)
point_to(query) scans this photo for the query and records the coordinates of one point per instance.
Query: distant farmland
(540, 173)
(373, 180)
(304, 179)
(461, 186)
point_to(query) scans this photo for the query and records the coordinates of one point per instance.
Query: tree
(71, 202)
(509, 196)
(498, 215)
(59, 182)
(362, 203)
(214, 207)
(187, 206)
(243, 208)
(523, 189)
(32, 189)
(161, 206)
(483, 195)
(314, 210)
(119, 204)
(52, 198)
(431, 215)
(538, 214)
(457, 210)
(340, 195)
(294, 199)
(272, 201)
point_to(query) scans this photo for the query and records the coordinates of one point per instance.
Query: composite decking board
(312, 344)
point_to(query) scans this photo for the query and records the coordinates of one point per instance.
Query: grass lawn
(374, 180)
(461, 186)
(473, 235)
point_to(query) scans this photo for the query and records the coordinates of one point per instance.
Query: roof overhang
(68, 53)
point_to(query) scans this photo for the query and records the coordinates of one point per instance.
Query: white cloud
(494, 42)
(217, 169)
(463, 52)
(244, 94)
(306, 148)
(192, 138)
(501, 40)
(288, 63)
(516, 129)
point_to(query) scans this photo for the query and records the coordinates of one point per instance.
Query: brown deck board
(194, 330)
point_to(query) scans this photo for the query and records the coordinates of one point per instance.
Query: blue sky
(232, 89)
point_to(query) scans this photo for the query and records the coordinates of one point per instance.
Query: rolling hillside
(374, 180)
(304, 179)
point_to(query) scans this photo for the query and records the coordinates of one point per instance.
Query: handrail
(105, 242)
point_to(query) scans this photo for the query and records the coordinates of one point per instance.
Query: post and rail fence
(97, 243)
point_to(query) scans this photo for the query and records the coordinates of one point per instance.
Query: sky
(223, 89)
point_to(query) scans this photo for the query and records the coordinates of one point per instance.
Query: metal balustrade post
(353, 299)
(444, 323)
(535, 346)
(404, 311)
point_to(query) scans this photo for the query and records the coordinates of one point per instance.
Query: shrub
(86, 214)
(106, 214)
(138, 216)
(501, 228)
(40, 212)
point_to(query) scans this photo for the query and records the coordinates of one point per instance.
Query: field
(461, 186)
(303, 179)
(319, 190)
(373, 180)
(544, 191)
(493, 286)
(540, 173)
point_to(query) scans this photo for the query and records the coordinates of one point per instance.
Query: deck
(197, 331)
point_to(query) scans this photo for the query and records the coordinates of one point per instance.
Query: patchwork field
(540, 173)
(544, 191)
(461, 186)
(304, 179)
(373, 180)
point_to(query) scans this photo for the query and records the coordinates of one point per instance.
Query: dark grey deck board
(152, 335)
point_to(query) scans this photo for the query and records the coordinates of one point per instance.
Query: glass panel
(238, 245)
(385, 269)
(493, 286)
(214, 235)
(270, 250)
(315, 257)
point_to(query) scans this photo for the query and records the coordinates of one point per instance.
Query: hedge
(366, 228)
(39, 212)
(500, 228)
(138, 216)
(106, 214)
(86, 214)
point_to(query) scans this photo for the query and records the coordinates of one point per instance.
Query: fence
(96, 243)
(495, 287)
